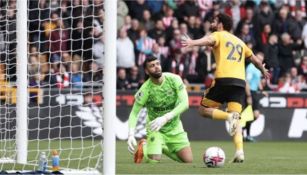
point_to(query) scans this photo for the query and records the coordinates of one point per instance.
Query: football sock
(219, 114)
(238, 141)
(248, 127)
(171, 155)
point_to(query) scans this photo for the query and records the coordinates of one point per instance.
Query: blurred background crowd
(66, 42)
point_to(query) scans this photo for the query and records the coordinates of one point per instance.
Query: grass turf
(261, 158)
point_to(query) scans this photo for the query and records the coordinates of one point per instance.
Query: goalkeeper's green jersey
(170, 95)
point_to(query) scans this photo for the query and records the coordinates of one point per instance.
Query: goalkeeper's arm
(133, 117)
(183, 102)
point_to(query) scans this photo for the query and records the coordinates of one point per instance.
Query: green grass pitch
(261, 158)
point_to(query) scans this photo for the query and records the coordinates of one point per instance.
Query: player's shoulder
(169, 75)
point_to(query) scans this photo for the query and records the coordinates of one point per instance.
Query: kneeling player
(165, 97)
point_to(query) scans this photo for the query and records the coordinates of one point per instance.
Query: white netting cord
(65, 57)
(7, 75)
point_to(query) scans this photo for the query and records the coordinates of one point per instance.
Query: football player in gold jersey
(229, 85)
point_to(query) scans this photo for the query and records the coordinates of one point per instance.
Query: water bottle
(55, 161)
(43, 162)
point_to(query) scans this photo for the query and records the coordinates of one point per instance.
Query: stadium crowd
(66, 40)
(275, 28)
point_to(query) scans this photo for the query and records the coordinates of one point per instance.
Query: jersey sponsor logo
(139, 96)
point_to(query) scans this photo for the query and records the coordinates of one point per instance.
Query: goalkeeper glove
(159, 122)
(131, 141)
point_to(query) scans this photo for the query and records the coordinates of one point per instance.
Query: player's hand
(131, 141)
(159, 122)
(186, 41)
(265, 73)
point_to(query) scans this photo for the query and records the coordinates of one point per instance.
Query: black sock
(248, 128)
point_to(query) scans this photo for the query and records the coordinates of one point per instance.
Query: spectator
(285, 53)
(246, 36)
(94, 75)
(59, 38)
(285, 24)
(263, 17)
(163, 48)
(249, 19)
(136, 9)
(271, 57)
(194, 66)
(155, 7)
(134, 78)
(285, 85)
(216, 8)
(185, 10)
(170, 30)
(147, 21)
(133, 32)
(98, 50)
(235, 10)
(158, 31)
(204, 7)
(62, 77)
(156, 52)
(264, 36)
(122, 11)
(76, 75)
(122, 81)
(144, 46)
(168, 18)
(303, 67)
(125, 50)
(77, 38)
(98, 23)
(193, 29)
(175, 43)
(127, 22)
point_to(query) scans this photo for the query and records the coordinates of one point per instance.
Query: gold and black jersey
(230, 53)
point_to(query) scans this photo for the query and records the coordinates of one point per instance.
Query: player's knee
(154, 158)
(188, 159)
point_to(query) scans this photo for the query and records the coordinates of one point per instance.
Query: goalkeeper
(165, 97)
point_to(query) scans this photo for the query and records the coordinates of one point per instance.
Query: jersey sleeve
(140, 99)
(216, 37)
(248, 52)
(141, 96)
(182, 95)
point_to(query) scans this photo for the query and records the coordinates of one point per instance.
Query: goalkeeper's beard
(156, 75)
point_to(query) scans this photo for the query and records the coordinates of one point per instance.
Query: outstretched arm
(183, 104)
(207, 40)
(258, 63)
(133, 117)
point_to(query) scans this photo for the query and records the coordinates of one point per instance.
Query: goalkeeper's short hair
(149, 59)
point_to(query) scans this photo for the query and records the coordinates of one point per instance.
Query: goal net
(64, 83)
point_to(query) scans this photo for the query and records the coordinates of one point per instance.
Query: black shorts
(227, 93)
